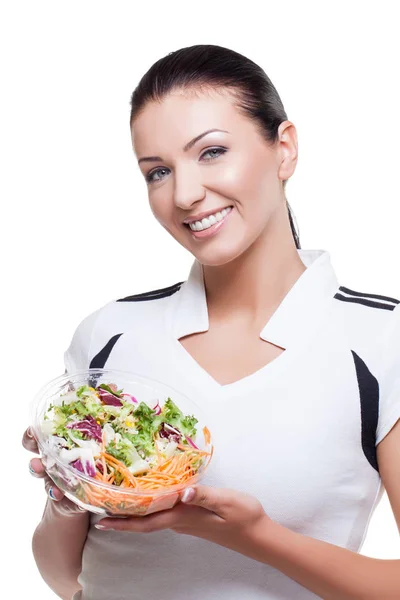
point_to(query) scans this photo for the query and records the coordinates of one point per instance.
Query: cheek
(160, 208)
(164, 211)
(246, 180)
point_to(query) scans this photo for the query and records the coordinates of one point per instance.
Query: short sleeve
(77, 355)
(389, 378)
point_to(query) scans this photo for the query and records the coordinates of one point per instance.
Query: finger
(206, 497)
(52, 490)
(64, 506)
(36, 467)
(60, 503)
(37, 470)
(29, 442)
(164, 519)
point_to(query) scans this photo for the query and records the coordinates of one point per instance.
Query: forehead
(180, 116)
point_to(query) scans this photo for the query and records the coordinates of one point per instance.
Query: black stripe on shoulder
(362, 295)
(154, 294)
(369, 402)
(365, 302)
(101, 358)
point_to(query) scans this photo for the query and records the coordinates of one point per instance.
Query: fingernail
(32, 471)
(100, 526)
(29, 433)
(188, 495)
(51, 494)
(82, 509)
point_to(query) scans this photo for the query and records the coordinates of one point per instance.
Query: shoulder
(390, 347)
(364, 318)
(76, 355)
(153, 294)
(123, 312)
(108, 322)
(371, 300)
(146, 309)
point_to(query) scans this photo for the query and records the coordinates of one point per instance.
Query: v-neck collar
(292, 322)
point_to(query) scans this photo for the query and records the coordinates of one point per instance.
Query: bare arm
(57, 546)
(332, 572)
(59, 538)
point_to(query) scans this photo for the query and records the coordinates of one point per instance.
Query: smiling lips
(209, 220)
(210, 228)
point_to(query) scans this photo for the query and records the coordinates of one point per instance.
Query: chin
(217, 251)
(222, 255)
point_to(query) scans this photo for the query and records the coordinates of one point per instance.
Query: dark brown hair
(205, 67)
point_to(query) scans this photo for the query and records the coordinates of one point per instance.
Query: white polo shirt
(300, 434)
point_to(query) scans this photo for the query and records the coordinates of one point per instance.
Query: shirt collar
(297, 315)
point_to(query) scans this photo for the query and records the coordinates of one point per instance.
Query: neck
(252, 286)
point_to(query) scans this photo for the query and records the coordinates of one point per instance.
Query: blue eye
(219, 151)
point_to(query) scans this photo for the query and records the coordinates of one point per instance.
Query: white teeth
(210, 220)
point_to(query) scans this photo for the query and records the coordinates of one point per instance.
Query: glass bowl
(92, 493)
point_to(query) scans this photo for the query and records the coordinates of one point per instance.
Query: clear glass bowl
(97, 496)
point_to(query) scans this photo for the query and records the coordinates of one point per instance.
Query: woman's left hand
(223, 516)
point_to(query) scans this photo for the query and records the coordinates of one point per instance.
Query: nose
(188, 188)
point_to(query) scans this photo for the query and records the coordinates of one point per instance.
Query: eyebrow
(185, 148)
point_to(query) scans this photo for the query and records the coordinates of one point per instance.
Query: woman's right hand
(62, 504)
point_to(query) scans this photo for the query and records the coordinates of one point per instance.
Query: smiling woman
(238, 123)
(298, 373)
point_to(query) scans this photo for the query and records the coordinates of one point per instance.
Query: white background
(76, 228)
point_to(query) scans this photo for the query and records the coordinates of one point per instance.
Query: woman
(298, 374)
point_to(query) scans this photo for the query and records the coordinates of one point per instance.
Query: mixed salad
(110, 436)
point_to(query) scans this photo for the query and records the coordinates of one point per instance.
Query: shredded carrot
(191, 449)
(207, 435)
(159, 457)
(120, 467)
(166, 474)
(103, 462)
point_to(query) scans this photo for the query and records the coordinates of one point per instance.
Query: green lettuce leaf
(175, 417)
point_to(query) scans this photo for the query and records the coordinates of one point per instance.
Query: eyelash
(149, 177)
